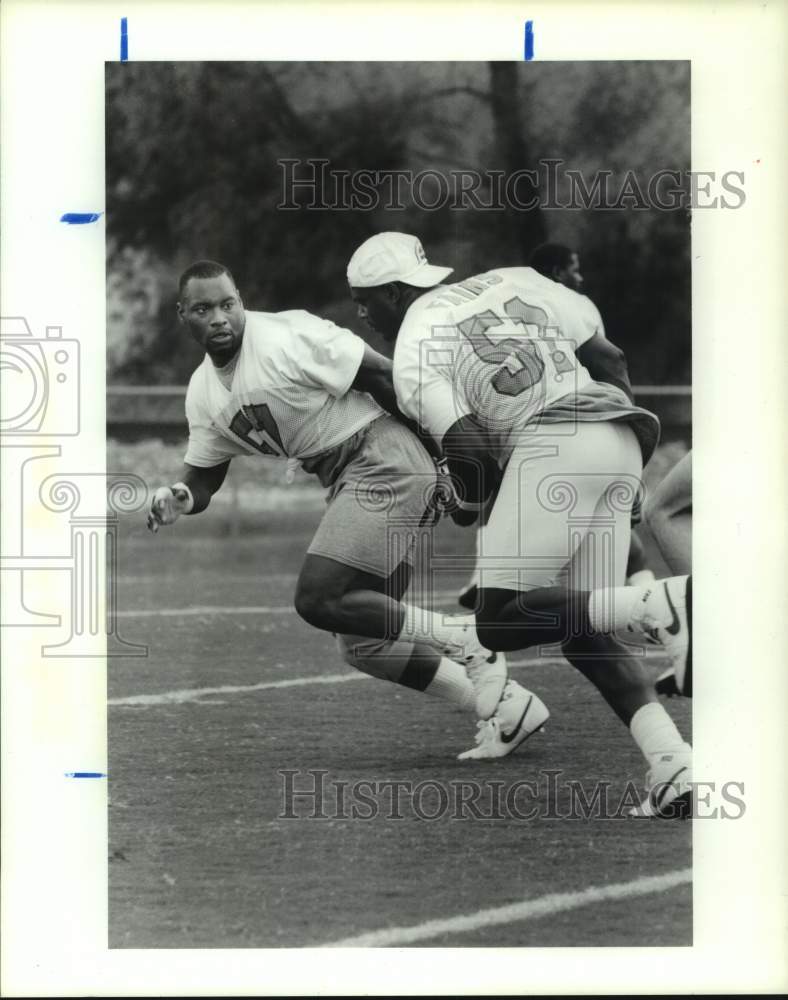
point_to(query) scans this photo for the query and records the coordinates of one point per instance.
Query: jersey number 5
(521, 358)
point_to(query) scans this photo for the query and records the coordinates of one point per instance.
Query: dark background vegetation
(192, 151)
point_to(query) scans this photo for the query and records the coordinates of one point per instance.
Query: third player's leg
(668, 514)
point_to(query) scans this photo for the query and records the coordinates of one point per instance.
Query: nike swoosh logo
(675, 625)
(666, 786)
(516, 730)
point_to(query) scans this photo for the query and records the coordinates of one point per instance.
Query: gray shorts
(379, 502)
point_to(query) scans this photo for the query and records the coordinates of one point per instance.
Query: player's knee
(312, 606)
(495, 631)
(652, 513)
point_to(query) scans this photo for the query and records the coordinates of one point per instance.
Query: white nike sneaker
(520, 714)
(668, 789)
(665, 614)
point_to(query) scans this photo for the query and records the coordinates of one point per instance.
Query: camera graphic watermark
(40, 381)
(547, 795)
(41, 403)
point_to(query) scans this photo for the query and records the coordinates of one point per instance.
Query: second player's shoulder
(592, 312)
(582, 307)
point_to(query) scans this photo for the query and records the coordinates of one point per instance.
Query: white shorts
(562, 515)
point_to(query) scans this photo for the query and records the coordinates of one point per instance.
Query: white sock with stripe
(457, 639)
(451, 683)
(655, 732)
(613, 608)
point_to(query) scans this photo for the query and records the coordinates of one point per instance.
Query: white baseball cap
(393, 257)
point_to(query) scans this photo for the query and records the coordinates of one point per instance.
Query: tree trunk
(525, 227)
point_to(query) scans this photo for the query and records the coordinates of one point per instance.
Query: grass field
(236, 689)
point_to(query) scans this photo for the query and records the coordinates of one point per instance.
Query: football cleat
(665, 615)
(520, 714)
(668, 789)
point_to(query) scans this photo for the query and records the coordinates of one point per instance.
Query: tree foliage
(193, 171)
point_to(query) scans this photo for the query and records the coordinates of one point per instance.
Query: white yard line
(528, 909)
(184, 695)
(195, 694)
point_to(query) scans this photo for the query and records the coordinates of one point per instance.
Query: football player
(562, 264)
(488, 367)
(291, 385)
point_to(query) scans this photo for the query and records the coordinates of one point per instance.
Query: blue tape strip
(529, 40)
(124, 39)
(80, 218)
(85, 774)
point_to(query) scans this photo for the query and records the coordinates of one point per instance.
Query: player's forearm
(606, 363)
(203, 483)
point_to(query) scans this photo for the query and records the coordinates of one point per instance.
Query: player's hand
(167, 506)
(445, 497)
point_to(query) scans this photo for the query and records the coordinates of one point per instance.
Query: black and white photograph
(435, 324)
(393, 516)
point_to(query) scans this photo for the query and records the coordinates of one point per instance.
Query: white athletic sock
(655, 732)
(451, 683)
(458, 639)
(612, 608)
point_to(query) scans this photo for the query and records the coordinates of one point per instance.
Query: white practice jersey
(593, 315)
(289, 397)
(499, 346)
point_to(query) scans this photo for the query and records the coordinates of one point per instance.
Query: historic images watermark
(314, 184)
(549, 795)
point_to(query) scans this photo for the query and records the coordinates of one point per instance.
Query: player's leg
(532, 534)
(410, 665)
(668, 514)
(469, 595)
(621, 676)
(597, 566)
(358, 565)
(540, 519)
(638, 571)
(546, 501)
(367, 612)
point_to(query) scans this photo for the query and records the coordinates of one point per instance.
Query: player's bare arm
(190, 495)
(605, 362)
(375, 376)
